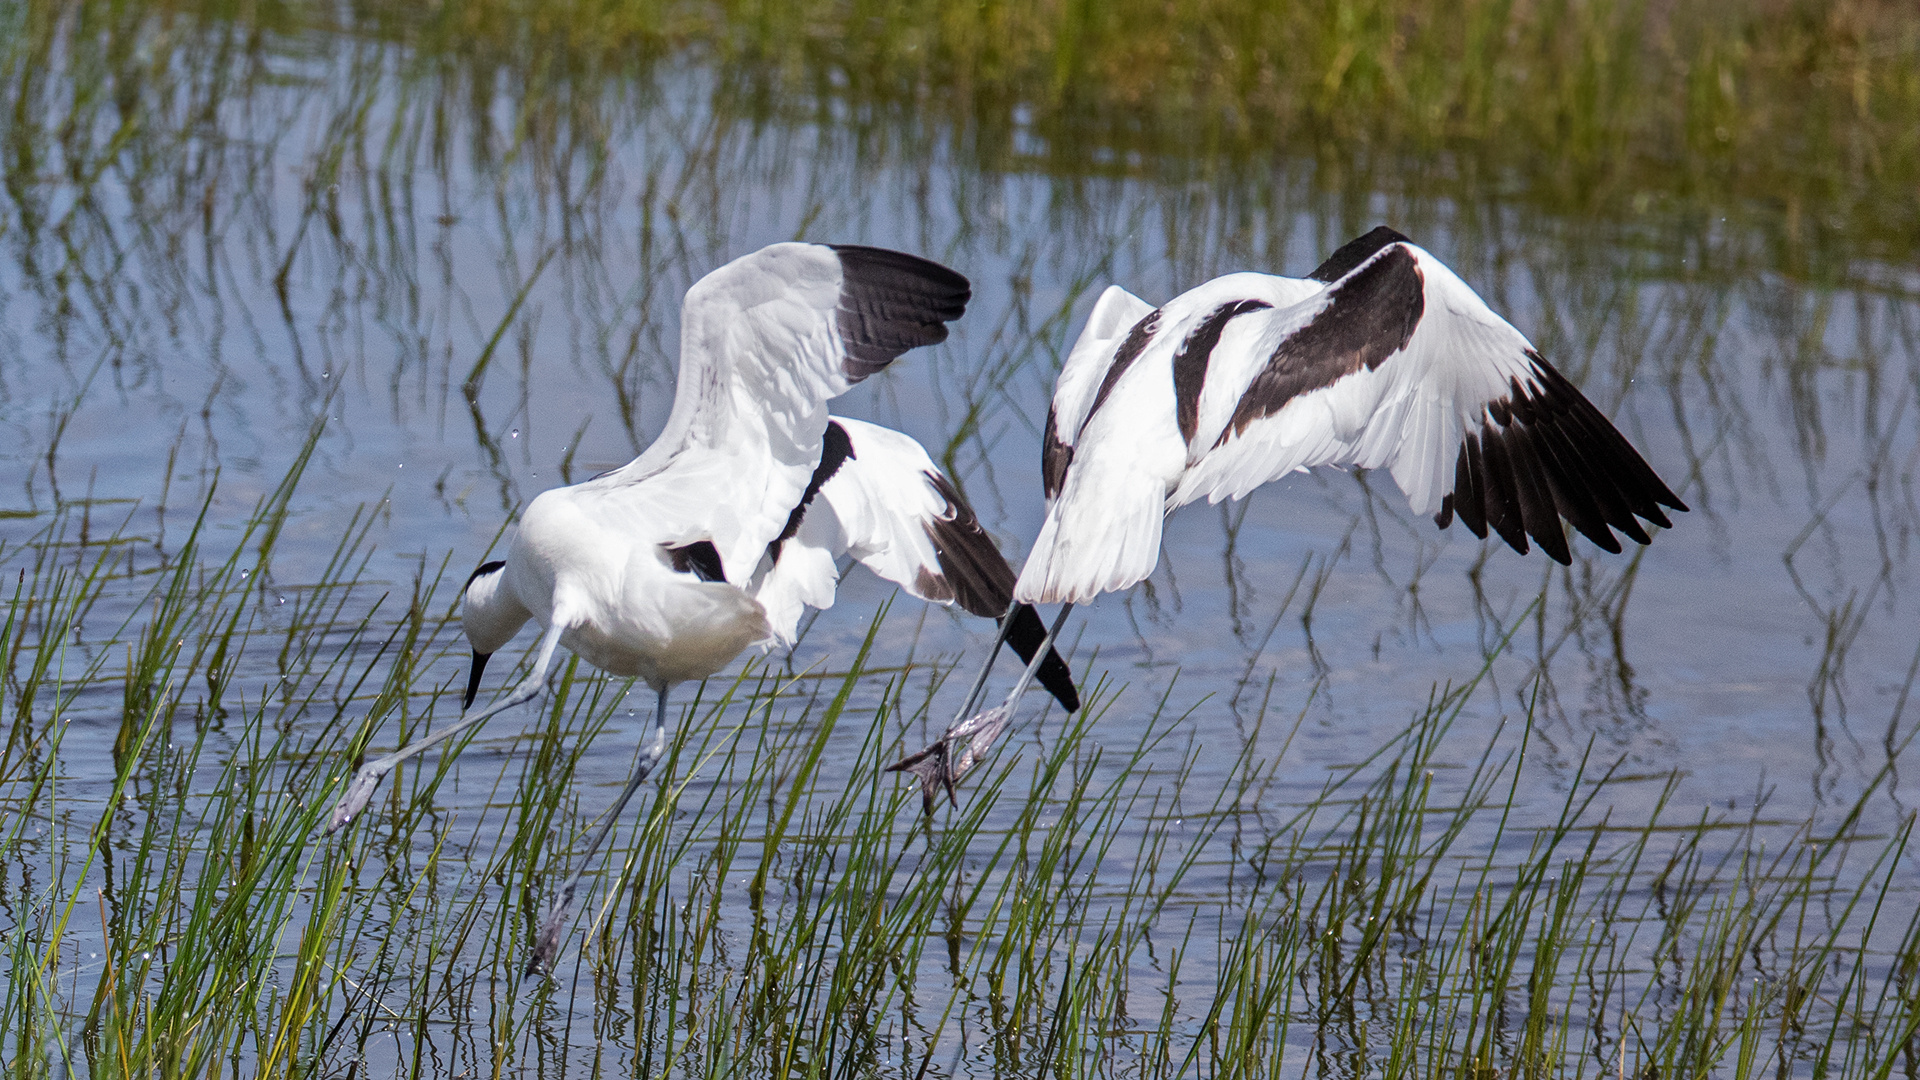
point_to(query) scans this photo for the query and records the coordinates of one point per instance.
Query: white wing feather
(759, 358)
(1407, 416)
(875, 508)
(1388, 367)
(1113, 315)
(1102, 532)
(765, 342)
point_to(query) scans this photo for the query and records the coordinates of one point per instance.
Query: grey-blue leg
(980, 681)
(546, 942)
(936, 766)
(360, 788)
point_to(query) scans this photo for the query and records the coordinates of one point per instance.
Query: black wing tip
(1544, 453)
(1025, 635)
(1662, 495)
(902, 270)
(1058, 681)
(891, 302)
(1554, 543)
(1356, 251)
(976, 575)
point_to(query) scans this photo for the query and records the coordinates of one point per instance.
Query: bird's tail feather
(1090, 546)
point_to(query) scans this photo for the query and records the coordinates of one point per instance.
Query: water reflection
(229, 249)
(219, 236)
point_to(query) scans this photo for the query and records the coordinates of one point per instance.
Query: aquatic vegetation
(1610, 107)
(298, 302)
(781, 908)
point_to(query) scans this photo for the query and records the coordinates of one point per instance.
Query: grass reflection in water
(257, 259)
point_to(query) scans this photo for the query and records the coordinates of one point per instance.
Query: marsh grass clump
(1794, 116)
(1607, 106)
(781, 907)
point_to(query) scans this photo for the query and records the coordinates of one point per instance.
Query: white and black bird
(731, 522)
(1382, 358)
(878, 498)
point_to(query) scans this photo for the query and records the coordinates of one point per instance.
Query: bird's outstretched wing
(1398, 364)
(877, 497)
(765, 342)
(1382, 358)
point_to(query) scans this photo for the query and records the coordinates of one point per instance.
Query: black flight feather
(891, 302)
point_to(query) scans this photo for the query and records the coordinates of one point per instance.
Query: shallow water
(328, 230)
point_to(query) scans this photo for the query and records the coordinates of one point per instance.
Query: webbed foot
(359, 793)
(938, 768)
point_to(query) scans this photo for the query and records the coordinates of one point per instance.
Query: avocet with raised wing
(1381, 358)
(730, 524)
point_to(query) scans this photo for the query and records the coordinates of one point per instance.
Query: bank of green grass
(1792, 119)
(1617, 107)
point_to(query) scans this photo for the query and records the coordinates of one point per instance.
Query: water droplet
(326, 374)
(516, 433)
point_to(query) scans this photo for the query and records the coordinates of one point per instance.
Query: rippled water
(478, 302)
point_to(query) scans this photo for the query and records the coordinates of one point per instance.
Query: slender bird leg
(935, 765)
(546, 942)
(941, 747)
(987, 726)
(360, 788)
(980, 680)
